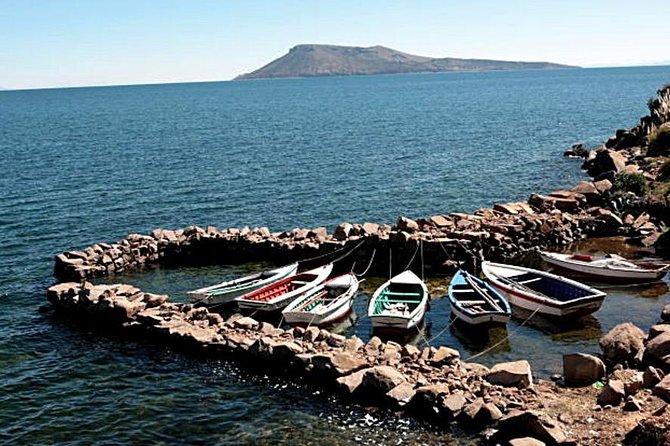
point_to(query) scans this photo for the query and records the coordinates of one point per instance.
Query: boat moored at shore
(399, 303)
(475, 301)
(608, 269)
(542, 292)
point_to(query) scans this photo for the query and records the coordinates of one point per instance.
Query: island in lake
(332, 60)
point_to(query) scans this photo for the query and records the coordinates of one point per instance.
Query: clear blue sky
(51, 43)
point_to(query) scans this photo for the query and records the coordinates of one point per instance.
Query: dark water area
(81, 166)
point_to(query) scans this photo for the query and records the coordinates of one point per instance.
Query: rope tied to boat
(506, 338)
(345, 247)
(372, 257)
(416, 250)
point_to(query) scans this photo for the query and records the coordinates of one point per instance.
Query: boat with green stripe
(400, 303)
(325, 304)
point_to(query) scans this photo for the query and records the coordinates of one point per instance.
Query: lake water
(85, 165)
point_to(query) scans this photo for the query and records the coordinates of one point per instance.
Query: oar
(482, 292)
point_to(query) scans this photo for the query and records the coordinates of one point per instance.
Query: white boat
(546, 293)
(277, 295)
(610, 268)
(400, 303)
(325, 304)
(225, 292)
(475, 301)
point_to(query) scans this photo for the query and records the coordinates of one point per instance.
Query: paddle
(482, 292)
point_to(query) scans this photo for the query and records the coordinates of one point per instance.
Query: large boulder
(337, 364)
(580, 369)
(531, 424)
(379, 380)
(622, 343)
(658, 350)
(662, 389)
(407, 224)
(605, 160)
(511, 374)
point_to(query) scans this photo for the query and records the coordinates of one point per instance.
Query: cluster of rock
(432, 383)
(631, 151)
(502, 233)
(635, 370)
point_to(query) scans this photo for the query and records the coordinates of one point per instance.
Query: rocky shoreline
(503, 402)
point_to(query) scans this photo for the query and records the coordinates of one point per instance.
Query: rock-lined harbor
(431, 382)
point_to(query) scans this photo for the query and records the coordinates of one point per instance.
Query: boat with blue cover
(542, 292)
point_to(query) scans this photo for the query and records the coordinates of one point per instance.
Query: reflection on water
(478, 339)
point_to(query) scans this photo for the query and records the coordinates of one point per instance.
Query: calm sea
(94, 164)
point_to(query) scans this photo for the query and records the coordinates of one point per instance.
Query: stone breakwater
(502, 233)
(503, 402)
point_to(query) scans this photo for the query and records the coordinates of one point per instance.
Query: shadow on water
(477, 339)
(585, 327)
(653, 290)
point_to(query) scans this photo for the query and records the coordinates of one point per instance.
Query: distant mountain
(332, 60)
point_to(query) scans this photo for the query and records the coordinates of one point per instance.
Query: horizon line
(158, 83)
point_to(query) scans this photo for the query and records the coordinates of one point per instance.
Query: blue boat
(475, 302)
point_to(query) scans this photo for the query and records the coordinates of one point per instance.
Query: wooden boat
(325, 304)
(476, 302)
(549, 294)
(400, 303)
(277, 295)
(610, 268)
(225, 292)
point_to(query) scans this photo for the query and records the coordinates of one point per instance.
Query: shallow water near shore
(87, 165)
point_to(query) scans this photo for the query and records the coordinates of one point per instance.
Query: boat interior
(399, 298)
(553, 288)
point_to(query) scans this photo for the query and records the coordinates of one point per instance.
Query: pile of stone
(430, 383)
(502, 233)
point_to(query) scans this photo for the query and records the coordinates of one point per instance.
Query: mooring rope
(334, 252)
(374, 251)
(506, 337)
(413, 256)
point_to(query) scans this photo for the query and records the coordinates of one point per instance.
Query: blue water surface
(85, 165)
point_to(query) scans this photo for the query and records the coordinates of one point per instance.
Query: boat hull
(544, 305)
(475, 302)
(324, 313)
(604, 274)
(227, 292)
(479, 319)
(389, 321)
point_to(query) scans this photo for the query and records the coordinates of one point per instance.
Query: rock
(440, 221)
(632, 380)
(452, 405)
(632, 405)
(401, 394)
(612, 394)
(350, 383)
(379, 380)
(312, 334)
(622, 343)
(479, 414)
(154, 300)
(369, 228)
(353, 344)
(588, 189)
(342, 231)
(605, 160)
(337, 363)
(246, 323)
(530, 423)
(662, 389)
(582, 370)
(577, 151)
(445, 356)
(658, 347)
(410, 351)
(286, 350)
(651, 377)
(511, 374)
(320, 233)
(603, 186)
(665, 314)
(525, 441)
(407, 224)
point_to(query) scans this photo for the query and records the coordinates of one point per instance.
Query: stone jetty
(502, 403)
